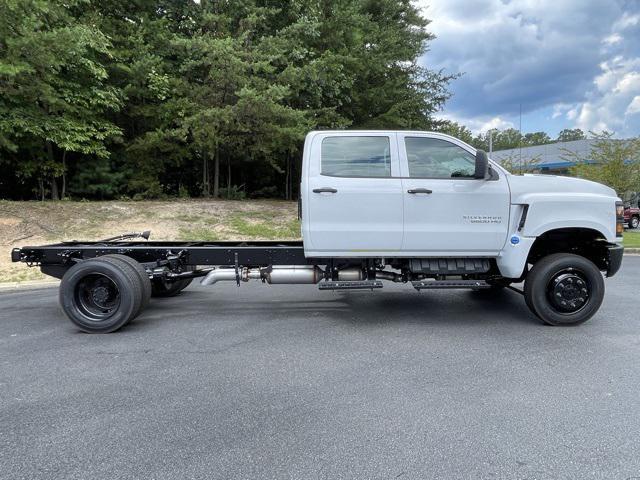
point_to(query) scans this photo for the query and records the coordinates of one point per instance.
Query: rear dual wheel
(103, 294)
(564, 289)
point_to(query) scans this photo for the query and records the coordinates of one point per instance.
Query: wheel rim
(569, 291)
(97, 297)
(634, 223)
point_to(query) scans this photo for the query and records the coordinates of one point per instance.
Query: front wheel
(634, 222)
(564, 289)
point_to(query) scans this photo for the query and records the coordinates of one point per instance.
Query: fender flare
(513, 258)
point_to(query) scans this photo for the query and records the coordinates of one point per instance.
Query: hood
(527, 184)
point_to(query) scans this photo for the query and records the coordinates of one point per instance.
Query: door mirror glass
(482, 165)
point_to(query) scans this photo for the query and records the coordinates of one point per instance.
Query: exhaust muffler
(281, 274)
(292, 274)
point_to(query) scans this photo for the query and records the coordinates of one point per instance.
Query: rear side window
(436, 158)
(356, 157)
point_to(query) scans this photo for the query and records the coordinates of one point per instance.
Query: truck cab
(422, 194)
(407, 194)
(413, 200)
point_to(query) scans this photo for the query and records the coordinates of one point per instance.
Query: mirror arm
(482, 165)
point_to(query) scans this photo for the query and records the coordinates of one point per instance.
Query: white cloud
(614, 102)
(634, 106)
(561, 110)
(612, 39)
(626, 20)
(480, 124)
(495, 122)
(579, 59)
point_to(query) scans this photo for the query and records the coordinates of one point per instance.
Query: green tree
(506, 139)
(53, 91)
(535, 138)
(615, 163)
(151, 98)
(516, 164)
(571, 134)
(381, 43)
(456, 130)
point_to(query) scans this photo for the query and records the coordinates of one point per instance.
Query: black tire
(634, 222)
(160, 288)
(564, 289)
(527, 301)
(118, 260)
(142, 275)
(100, 295)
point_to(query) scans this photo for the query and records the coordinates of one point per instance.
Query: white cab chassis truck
(419, 208)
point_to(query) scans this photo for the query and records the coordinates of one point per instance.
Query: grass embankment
(37, 223)
(632, 238)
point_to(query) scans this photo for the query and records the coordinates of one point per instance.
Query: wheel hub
(100, 295)
(97, 297)
(569, 292)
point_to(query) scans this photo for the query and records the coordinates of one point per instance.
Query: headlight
(619, 219)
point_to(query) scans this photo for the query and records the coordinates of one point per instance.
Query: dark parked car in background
(632, 216)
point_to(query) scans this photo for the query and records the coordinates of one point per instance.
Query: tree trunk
(287, 169)
(295, 178)
(290, 161)
(54, 189)
(229, 178)
(205, 174)
(64, 175)
(216, 174)
(54, 184)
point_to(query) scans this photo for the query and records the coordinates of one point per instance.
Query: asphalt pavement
(287, 382)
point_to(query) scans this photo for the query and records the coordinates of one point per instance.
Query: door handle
(419, 190)
(325, 190)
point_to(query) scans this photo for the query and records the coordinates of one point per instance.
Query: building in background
(553, 159)
(550, 158)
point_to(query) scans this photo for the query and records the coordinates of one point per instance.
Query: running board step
(473, 284)
(350, 285)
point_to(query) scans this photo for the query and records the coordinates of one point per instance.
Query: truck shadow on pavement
(356, 308)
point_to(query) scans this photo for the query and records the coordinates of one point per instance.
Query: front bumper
(614, 258)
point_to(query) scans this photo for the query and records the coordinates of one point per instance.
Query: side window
(435, 158)
(356, 157)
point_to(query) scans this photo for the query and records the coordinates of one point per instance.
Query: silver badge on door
(482, 219)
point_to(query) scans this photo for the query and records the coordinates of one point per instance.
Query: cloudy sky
(569, 63)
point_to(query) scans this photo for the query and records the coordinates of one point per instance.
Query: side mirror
(482, 165)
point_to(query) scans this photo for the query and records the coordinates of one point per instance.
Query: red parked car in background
(632, 216)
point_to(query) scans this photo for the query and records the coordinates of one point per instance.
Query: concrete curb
(32, 284)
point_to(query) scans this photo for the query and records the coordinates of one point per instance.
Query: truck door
(446, 210)
(353, 194)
